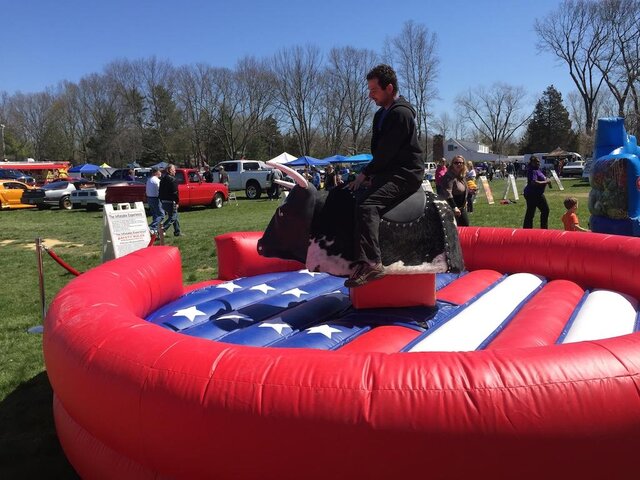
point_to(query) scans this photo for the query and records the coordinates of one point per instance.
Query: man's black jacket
(168, 189)
(394, 144)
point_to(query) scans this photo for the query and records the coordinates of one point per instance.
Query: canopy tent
(307, 161)
(133, 165)
(360, 158)
(161, 165)
(284, 157)
(105, 165)
(87, 168)
(336, 159)
(558, 152)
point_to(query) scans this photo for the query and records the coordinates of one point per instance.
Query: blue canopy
(85, 168)
(360, 158)
(307, 161)
(336, 159)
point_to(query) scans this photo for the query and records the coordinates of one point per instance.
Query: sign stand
(43, 307)
(125, 229)
(511, 185)
(487, 189)
(558, 182)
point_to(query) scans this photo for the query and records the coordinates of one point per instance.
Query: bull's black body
(317, 229)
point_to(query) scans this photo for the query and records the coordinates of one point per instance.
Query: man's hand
(355, 185)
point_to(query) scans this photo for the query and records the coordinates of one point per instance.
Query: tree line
(310, 103)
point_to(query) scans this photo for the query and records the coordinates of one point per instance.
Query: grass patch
(28, 444)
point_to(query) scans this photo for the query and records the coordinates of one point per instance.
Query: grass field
(28, 444)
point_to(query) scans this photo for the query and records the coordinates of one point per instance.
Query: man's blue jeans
(157, 213)
(171, 209)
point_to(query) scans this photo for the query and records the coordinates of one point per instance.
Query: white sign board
(511, 185)
(125, 229)
(555, 177)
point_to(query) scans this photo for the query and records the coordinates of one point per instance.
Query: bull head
(287, 235)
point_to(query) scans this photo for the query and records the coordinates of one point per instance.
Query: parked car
(11, 174)
(11, 194)
(89, 198)
(56, 193)
(573, 169)
(252, 176)
(141, 174)
(192, 188)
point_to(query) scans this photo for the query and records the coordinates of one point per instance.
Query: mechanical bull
(317, 228)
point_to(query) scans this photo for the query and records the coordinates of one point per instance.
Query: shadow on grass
(29, 447)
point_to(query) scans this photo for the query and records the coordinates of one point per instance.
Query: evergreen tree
(550, 126)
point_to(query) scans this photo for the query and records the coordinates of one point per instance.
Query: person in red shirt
(570, 219)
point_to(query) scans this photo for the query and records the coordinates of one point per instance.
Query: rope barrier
(72, 270)
(61, 262)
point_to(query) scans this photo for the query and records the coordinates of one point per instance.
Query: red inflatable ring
(132, 400)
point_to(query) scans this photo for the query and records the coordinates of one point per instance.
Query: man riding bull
(396, 171)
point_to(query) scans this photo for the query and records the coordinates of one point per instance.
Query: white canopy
(284, 158)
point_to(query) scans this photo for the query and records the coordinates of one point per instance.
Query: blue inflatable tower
(614, 200)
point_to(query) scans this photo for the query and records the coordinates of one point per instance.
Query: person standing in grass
(454, 189)
(534, 194)
(570, 218)
(472, 186)
(153, 199)
(169, 196)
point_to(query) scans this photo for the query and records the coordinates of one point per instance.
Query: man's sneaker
(363, 274)
(179, 234)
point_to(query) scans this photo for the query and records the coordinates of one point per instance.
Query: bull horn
(299, 179)
(287, 185)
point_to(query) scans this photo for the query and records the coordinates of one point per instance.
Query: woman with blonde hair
(454, 189)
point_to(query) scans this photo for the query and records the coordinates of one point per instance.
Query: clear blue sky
(480, 42)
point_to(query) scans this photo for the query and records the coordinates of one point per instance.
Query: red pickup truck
(192, 188)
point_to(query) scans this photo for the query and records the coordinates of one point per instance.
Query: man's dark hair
(385, 76)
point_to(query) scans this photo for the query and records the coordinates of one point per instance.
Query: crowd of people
(456, 183)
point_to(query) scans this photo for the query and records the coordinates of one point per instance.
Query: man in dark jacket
(170, 199)
(396, 171)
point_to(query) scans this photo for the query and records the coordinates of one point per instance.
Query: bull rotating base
(396, 291)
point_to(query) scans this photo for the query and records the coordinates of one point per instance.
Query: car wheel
(253, 191)
(218, 200)
(65, 203)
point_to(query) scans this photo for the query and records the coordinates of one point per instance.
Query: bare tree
(32, 115)
(495, 113)
(574, 34)
(332, 116)
(246, 99)
(348, 69)
(450, 127)
(298, 70)
(622, 46)
(413, 52)
(198, 103)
